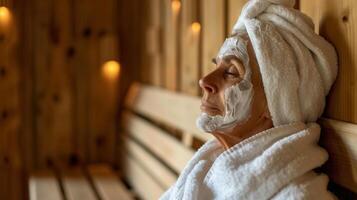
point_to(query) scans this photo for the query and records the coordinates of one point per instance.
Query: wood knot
(73, 159)
(55, 35)
(2, 71)
(56, 98)
(87, 32)
(70, 52)
(2, 38)
(345, 18)
(49, 162)
(100, 140)
(6, 160)
(4, 114)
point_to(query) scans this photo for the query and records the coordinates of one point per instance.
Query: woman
(261, 104)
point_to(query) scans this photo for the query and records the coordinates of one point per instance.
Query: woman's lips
(209, 108)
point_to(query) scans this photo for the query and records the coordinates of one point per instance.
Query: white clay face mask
(237, 98)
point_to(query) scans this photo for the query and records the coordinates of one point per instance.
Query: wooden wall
(336, 21)
(186, 57)
(73, 106)
(11, 165)
(56, 105)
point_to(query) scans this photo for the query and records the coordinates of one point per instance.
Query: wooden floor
(95, 182)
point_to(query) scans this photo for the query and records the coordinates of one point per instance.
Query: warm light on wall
(175, 5)
(111, 69)
(196, 27)
(5, 15)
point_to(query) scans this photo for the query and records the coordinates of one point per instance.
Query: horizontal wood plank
(76, 185)
(166, 147)
(108, 184)
(141, 180)
(176, 109)
(156, 168)
(340, 140)
(44, 185)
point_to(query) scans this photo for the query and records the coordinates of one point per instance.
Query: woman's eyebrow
(228, 59)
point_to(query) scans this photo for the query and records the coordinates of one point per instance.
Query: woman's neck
(243, 131)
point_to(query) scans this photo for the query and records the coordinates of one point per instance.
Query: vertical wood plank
(83, 46)
(336, 21)
(25, 22)
(190, 40)
(144, 56)
(213, 31)
(153, 38)
(170, 46)
(309, 8)
(132, 40)
(11, 183)
(103, 92)
(53, 81)
(94, 132)
(234, 9)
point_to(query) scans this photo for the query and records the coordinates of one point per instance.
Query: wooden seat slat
(143, 183)
(160, 172)
(44, 186)
(340, 140)
(76, 185)
(108, 184)
(167, 148)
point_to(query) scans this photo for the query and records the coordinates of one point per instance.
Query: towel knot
(254, 8)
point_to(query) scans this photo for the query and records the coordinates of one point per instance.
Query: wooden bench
(158, 136)
(91, 183)
(155, 155)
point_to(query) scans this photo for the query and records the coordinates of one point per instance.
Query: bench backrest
(155, 156)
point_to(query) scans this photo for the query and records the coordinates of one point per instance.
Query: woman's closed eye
(231, 72)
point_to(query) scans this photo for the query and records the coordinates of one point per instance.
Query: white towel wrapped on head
(297, 66)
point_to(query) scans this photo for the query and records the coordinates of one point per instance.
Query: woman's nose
(207, 86)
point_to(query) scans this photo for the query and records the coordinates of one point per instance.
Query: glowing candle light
(196, 27)
(111, 69)
(5, 15)
(175, 5)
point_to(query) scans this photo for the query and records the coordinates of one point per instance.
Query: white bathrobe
(277, 163)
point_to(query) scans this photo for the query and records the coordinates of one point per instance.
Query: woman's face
(228, 72)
